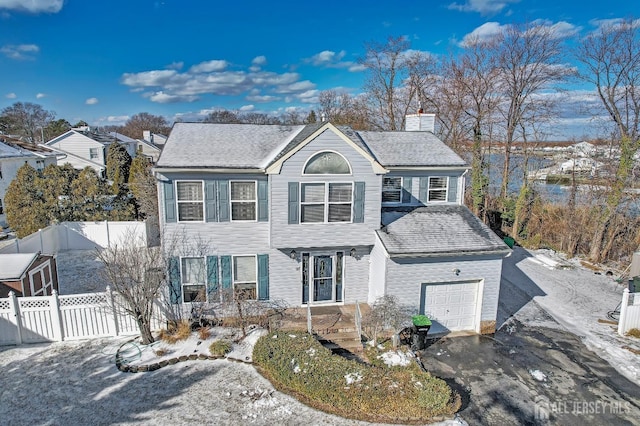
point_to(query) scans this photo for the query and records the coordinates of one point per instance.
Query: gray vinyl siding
(285, 275)
(377, 273)
(411, 181)
(405, 277)
(234, 238)
(284, 234)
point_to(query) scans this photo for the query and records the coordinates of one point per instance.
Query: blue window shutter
(175, 289)
(211, 200)
(452, 197)
(223, 201)
(406, 189)
(293, 202)
(263, 277)
(225, 271)
(358, 202)
(263, 201)
(169, 202)
(212, 274)
(423, 195)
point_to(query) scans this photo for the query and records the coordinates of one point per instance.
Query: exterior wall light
(292, 254)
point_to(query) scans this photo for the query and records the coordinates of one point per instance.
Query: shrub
(204, 333)
(634, 332)
(176, 332)
(297, 363)
(220, 347)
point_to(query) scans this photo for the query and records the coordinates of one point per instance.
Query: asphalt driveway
(533, 375)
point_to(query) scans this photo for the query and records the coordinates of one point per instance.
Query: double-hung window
(190, 201)
(193, 274)
(438, 188)
(392, 190)
(93, 153)
(326, 202)
(243, 200)
(245, 277)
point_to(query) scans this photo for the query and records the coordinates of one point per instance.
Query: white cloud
(165, 98)
(326, 57)
(11, 95)
(91, 101)
(40, 95)
(483, 33)
(484, 7)
(32, 6)
(299, 86)
(262, 98)
(561, 29)
(613, 23)
(210, 66)
(19, 51)
(148, 78)
(246, 108)
(175, 66)
(113, 119)
(259, 60)
(356, 68)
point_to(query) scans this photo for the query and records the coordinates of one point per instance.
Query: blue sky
(104, 60)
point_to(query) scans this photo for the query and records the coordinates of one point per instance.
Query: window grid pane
(312, 213)
(244, 269)
(193, 270)
(340, 192)
(243, 191)
(243, 211)
(313, 192)
(189, 191)
(339, 212)
(437, 182)
(190, 212)
(438, 188)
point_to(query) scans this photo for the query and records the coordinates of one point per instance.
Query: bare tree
(137, 274)
(611, 57)
(395, 76)
(26, 119)
(529, 60)
(144, 121)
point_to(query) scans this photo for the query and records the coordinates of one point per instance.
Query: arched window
(327, 163)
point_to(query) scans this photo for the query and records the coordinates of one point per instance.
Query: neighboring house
(155, 138)
(28, 274)
(148, 149)
(324, 215)
(86, 148)
(13, 155)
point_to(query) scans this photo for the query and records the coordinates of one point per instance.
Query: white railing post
(623, 312)
(15, 314)
(41, 242)
(56, 317)
(113, 318)
(358, 319)
(309, 322)
(106, 223)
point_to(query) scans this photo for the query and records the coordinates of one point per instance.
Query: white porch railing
(629, 312)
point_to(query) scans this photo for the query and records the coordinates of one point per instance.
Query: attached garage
(452, 306)
(441, 261)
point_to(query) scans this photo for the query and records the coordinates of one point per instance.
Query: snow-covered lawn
(576, 298)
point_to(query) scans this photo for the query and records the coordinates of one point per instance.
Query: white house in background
(86, 148)
(149, 150)
(155, 138)
(13, 155)
(323, 215)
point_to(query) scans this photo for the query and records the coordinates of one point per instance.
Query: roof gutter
(204, 169)
(450, 253)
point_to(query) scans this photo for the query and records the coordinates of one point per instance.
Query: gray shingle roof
(436, 231)
(200, 145)
(224, 145)
(410, 149)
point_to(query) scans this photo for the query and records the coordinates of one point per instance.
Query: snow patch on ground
(352, 378)
(400, 358)
(538, 375)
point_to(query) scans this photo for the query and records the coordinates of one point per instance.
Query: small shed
(28, 274)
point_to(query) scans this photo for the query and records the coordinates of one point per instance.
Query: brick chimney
(420, 122)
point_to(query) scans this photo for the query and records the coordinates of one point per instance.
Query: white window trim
(91, 156)
(325, 203)
(393, 203)
(445, 189)
(255, 201)
(183, 284)
(175, 188)
(304, 166)
(233, 272)
(45, 284)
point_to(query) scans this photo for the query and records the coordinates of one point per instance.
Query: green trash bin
(420, 329)
(509, 241)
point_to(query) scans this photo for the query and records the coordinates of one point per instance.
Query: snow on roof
(14, 265)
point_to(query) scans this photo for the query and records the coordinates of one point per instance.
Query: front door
(322, 277)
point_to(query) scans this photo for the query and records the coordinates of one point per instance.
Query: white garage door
(454, 306)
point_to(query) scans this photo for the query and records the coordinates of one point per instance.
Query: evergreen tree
(89, 196)
(55, 186)
(118, 164)
(311, 118)
(25, 207)
(144, 188)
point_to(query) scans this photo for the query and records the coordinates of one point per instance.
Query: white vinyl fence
(56, 318)
(629, 312)
(75, 236)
